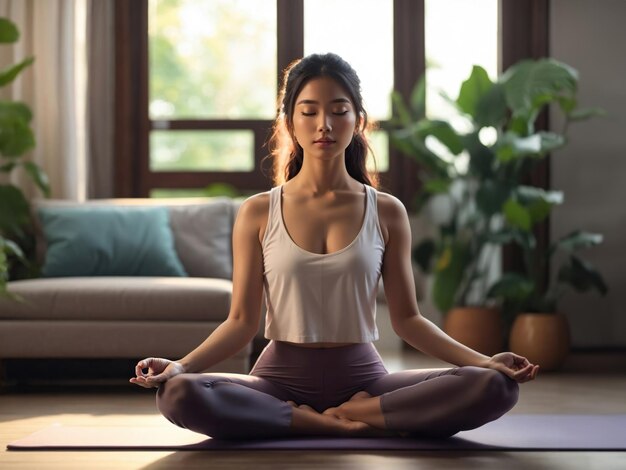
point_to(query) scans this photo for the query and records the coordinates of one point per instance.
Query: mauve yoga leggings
(424, 402)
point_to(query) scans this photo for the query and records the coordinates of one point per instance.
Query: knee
(501, 391)
(175, 395)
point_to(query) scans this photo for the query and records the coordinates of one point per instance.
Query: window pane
(454, 43)
(379, 141)
(212, 59)
(202, 150)
(361, 32)
(212, 190)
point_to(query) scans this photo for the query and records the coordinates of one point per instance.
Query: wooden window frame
(524, 34)
(133, 177)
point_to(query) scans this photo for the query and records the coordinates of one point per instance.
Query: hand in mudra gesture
(159, 370)
(515, 366)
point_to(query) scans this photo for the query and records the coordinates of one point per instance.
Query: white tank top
(312, 297)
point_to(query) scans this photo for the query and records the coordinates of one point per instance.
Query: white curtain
(54, 31)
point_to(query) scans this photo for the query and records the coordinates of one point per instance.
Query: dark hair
(287, 153)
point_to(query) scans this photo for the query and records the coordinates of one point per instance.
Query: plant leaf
(418, 98)
(473, 89)
(423, 254)
(8, 75)
(14, 210)
(512, 287)
(449, 272)
(443, 132)
(517, 215)
(582, 276)
(586, 113)
(39, 177)
(8, 31)
(491, 196)
(528, 80)
(579, 239)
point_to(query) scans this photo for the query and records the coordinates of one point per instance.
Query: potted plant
(471, 172)
(539, 331)
(16, 138)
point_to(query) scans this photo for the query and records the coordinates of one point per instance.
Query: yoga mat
(510, 432)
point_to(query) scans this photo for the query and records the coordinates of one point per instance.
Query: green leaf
(15, 110)
(449, 271)
(537, 201)
(8, 31)
(517, 215)
(528, 80)
(400, 111)
(40, 178)
(511, 147)
(423, 254)
(512, 287)
(491, 108)
(579, 239)
(491, 196)
(8, 167)
(14, 210)
(586, 113)
(437, 185)
(473, 89)
(507, 235)
(443, 132)
(582, 276)
(418, 98)
(481, 163)
(8, 75)
(16, 137)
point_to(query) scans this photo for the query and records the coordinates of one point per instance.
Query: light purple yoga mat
(510, 432)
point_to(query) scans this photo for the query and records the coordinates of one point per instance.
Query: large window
(196, 80)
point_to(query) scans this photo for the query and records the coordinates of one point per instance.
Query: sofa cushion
(108, 241)
(119, 298)
(202, 229)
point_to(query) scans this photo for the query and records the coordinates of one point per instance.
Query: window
(187, 117)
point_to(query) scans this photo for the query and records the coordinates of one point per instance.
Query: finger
(141, 365)
(522, 372)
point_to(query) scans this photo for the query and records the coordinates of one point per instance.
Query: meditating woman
(317, 244)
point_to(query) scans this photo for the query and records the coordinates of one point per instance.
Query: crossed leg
(432, 402)
(230, 406)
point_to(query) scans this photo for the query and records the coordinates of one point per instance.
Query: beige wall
(591, 170)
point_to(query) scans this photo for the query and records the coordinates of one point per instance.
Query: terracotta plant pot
(479, 328)
(542, 338)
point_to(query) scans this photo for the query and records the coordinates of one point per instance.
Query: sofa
(75, 312)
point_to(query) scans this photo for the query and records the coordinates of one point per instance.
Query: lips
(324, 141)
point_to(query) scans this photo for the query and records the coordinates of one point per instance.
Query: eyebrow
(337, 100)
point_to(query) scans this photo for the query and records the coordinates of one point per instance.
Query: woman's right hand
(159, 370)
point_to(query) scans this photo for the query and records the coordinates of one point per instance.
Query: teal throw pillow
(108, 241)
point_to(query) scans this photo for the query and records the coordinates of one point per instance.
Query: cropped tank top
(312, 297)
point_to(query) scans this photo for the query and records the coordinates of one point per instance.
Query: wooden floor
(589, 383)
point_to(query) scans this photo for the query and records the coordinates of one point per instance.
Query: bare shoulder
(391, 213)
(253, 213)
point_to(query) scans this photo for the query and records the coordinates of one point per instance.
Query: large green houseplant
(479, 172)
(16, 138)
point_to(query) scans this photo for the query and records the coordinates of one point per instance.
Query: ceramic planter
(479, 328)
(543, 338)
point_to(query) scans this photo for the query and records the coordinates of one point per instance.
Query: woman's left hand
(516, 367)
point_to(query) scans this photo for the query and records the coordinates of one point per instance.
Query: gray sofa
(135, 317)
(131, 317)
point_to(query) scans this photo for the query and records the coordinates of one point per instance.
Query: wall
(589, 35)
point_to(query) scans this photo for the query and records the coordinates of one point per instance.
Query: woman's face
(324, 118)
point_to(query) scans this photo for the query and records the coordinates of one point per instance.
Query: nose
(324, 124)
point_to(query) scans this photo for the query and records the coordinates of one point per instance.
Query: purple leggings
(423, 402)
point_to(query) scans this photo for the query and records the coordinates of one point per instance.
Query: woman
(319, 255)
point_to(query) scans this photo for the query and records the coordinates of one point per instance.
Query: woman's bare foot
(340, 426)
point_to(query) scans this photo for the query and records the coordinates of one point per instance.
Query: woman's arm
(406, 319)
(243, 319)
